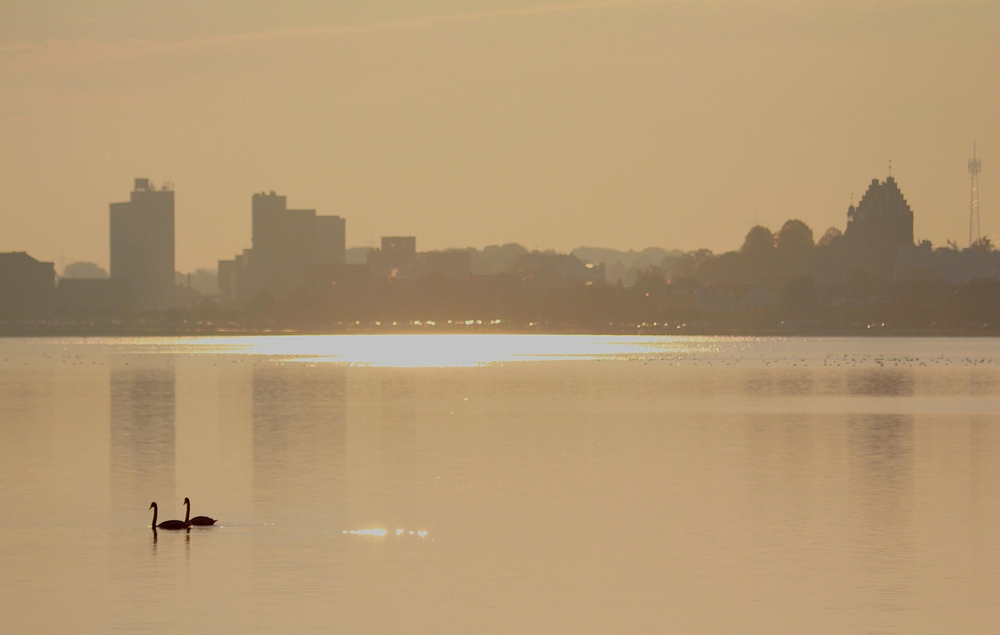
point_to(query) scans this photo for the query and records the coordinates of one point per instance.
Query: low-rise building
(85, 298)
(396, 258)
(26, 285)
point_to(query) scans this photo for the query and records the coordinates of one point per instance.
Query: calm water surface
(501, 484)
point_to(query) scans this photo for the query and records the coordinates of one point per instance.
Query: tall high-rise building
(285, 243)
(142, 244)
(329, 243)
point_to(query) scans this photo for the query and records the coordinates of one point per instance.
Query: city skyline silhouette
(622, 125)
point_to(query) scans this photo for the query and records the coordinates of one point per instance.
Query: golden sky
(621, 124)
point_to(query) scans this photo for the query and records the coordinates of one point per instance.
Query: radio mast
(975, 167)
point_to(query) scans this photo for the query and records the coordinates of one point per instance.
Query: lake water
(501, 484)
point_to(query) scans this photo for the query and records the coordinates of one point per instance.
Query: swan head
(187, 501)
(152, 505)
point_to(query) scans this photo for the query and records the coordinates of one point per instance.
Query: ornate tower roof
(883, 201)
(881, 223)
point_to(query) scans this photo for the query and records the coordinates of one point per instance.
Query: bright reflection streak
(382, 532)
(417, 351)
(367, 532)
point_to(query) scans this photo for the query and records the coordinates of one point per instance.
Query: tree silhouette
(795, 237)
(831, 235)
(982, 244)
(759, 241)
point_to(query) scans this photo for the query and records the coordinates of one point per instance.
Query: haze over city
(515, 316)
(555, 125)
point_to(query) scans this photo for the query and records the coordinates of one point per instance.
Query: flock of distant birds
(187, 523)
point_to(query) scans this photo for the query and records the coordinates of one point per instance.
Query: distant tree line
(776, 282)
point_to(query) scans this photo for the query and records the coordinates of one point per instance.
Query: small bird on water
(200, 521)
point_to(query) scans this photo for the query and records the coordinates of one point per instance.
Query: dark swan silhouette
(167, 524)
(200, 521)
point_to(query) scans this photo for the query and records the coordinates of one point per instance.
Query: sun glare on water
(382, 532)
(425, 351)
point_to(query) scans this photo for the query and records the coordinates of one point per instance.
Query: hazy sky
(607, 123)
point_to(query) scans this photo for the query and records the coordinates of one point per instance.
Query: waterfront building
(285, 244)
(396, 257)
(142, 243)
(87, 298)
(26, 285)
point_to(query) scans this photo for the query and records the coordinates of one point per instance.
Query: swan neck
(154, 517)
(187, 513)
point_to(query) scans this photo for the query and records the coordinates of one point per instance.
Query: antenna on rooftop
(975, 167)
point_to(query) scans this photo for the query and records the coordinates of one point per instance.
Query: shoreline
(693, 330)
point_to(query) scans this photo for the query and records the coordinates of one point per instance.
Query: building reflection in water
(881, 382)
(771, 382)
(392, 444)
(299, 442)
(142, 418)
(882, 508)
